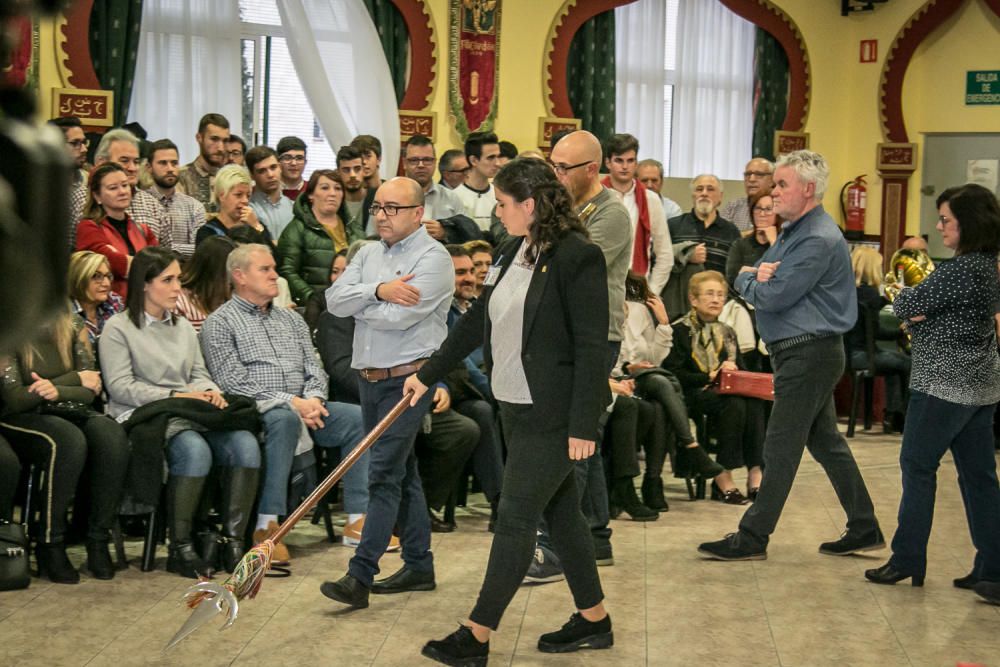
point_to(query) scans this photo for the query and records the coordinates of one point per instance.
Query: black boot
(239, 488)
(53, 563)
(99, 559)
(183, 494)
(652, 494)
(700, 462)
(624, 496)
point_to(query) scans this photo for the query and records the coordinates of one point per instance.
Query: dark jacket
(564, 346)
(213, 227)
(147, 429)
(307, 252)
(682, 364)
(335, 342)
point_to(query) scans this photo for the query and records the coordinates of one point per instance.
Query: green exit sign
(982, 87)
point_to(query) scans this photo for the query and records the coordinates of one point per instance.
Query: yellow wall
(48, 72)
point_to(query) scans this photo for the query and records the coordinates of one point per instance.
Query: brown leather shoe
(280, 555)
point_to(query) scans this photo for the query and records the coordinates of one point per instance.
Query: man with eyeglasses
(357, 198)
(482, 149)
(197, 178)
(122, 147)
(291, 155)
(236, 149)
(453, 167)
(757, 175)
(398, 291)
(441, 205)
(76, 145)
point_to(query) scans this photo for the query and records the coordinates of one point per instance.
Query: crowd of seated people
(197, 357)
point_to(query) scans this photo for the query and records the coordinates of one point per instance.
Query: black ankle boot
(625, 497)
(206, 543)
(459, 648)
(652, 494)
(239, 487)
(183, 495)
(183, 559)
(701, 463)
(54, 564)
(99, 559)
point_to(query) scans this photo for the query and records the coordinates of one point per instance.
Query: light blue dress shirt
(387, 334)
(274, 216)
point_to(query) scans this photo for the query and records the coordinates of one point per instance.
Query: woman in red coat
(107, 228)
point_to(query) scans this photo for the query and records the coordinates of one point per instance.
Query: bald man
(757, 175)
(576, 159)
(398, 291)
(915, 243)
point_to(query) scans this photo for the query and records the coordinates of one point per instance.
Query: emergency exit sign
(982, 87)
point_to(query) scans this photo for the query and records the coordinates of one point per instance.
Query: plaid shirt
(105, 310)
(185, 215)
(262, 353)
(197, 183)
(144, 208)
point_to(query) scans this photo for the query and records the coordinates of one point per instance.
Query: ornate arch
(574, 13)
(924, 21)
(76, 67)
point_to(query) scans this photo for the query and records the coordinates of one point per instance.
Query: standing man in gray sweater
(576, 160)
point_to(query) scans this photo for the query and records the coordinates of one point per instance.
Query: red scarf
(640, 249)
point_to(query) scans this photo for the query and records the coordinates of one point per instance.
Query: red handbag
(745, 383)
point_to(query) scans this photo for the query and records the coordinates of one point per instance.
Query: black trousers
(487, 457)
(63, 449)
(538, 481)
(738, 425)
(10, 472)
(665, 388)
(442, 454)
(634, 423)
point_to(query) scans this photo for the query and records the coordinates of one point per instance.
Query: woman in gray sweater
(147, 354)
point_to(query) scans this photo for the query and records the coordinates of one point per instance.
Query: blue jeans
(192, 453)
(933, 426)
(341, 430)
(395, 494)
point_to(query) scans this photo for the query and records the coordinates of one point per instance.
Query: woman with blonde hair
(88, 283)
(893, 365)
(232, 190)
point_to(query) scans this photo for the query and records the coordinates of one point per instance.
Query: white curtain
(343, 71)
(188, 65)
(713, 97)
(640, 77)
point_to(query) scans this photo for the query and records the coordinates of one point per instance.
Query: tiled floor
(669, 606)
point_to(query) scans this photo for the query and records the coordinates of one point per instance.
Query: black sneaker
(968, 582)
(851, 544)
(989, 591)
(730, 548)
(460, 648)
(544, 568)
(578, 633)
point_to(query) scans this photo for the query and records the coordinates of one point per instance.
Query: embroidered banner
(474, 57)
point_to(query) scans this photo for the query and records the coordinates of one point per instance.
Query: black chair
(862, 376)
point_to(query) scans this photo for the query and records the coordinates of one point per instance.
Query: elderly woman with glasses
(748, 250)
(89, 282)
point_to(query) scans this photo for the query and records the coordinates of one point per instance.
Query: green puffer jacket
(307, 252)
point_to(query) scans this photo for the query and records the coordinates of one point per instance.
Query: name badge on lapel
(492, 275)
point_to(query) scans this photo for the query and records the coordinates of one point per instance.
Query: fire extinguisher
(853, 202)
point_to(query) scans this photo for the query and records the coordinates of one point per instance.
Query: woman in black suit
(542, 322)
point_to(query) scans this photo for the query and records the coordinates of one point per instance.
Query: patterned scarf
(708, 339)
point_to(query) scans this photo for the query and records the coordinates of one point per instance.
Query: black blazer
(564, 348)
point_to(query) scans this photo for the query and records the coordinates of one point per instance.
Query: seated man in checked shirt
(254, 349)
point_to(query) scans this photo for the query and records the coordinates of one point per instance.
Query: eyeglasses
(758, 174)
(561, 169)
(292, 158)
(457, 171)
(389, 209)
(99, 277)
(79, 143)
(944, 220)
(420, 160)
(235, 154)
(767, 210)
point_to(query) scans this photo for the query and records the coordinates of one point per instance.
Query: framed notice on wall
(94, 108)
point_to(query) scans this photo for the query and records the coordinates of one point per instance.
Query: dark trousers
(665, 389)
(63, 448)
(804, 416)
(442, 454)
(934, 426)
(487, 457)
(737, 423)
(635, 423)
(894, 367)
(10, 473)
(538, 482)
(394, 491)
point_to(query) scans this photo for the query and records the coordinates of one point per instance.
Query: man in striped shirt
(704, 226)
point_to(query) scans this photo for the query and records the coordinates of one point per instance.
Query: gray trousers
(804, 416)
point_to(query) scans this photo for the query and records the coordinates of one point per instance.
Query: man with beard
(268, 201)
(703, 226)
(185, 214)
(357, 198)
(197, 178)
(292, 157)
(440, 203)
(76, 146)
(757, 175)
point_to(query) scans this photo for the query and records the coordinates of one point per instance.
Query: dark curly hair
(531, 178)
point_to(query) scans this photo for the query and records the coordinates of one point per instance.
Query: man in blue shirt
(399, 292)
(804, 294)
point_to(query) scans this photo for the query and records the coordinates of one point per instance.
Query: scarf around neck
(640, 248)
(708, 341)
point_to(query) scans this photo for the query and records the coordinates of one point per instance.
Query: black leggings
(538, 481)
(738, 425)
(635, 422)
(666, 390)
(62, 449)
(10, 472)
